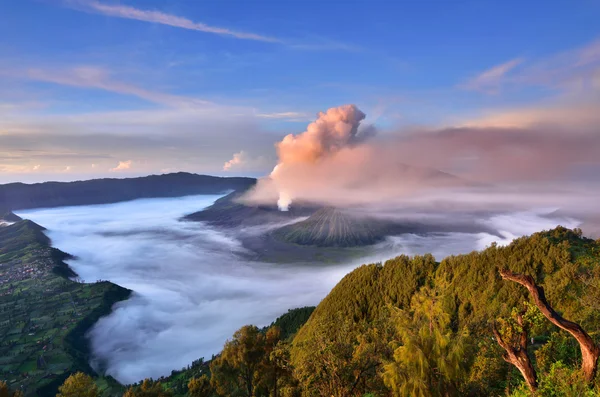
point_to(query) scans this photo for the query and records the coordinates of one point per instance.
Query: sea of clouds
(192, 286)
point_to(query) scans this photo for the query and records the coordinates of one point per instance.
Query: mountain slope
(473, 297)
(331, 227)
(227, 212)
(45, 316)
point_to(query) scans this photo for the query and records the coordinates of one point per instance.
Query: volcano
(332, 227)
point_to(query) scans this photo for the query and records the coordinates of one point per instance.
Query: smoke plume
(332, 131)
(338, 162)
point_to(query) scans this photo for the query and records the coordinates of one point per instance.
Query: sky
(97, 88)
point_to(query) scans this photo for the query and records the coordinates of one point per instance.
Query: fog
(192, 287)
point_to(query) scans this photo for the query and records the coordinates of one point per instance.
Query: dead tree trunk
(518, 356)
(589, 350)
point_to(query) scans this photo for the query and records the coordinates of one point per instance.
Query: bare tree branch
(589, 350)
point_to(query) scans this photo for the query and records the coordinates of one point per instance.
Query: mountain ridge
(18, 196)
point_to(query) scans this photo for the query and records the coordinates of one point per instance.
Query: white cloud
(122, 166)
(287, 116)
(153, 16)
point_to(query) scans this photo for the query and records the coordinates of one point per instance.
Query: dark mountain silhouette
(15, 196)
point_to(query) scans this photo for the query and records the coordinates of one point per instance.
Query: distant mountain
(334, 227)
(227, 212)
(15, 196)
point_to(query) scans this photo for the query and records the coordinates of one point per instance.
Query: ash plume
(333, 131)
(338, 162)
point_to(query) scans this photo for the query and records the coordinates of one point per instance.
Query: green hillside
(463, 295)
(43, 315)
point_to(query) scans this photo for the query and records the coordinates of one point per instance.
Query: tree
(200, 387)
(271, 371)
(235, 371)
(343, 358)
(148, 388)
(78, 385)
(513, 338)
(5, 391)
(589, 350)
(429, 360)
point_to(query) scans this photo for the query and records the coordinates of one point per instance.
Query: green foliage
(290, 322)
(200, 387)
(245, 367)
(560, 347)
(488, 372)
(148, 388)
(470, 295)
(430, 359)
(365, 293)
(343, 358)
(78, 385)
(564, 381)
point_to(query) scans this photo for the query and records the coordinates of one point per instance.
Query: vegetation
(43, 315)
(415, 327)
(78, 385)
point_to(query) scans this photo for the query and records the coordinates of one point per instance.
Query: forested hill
(15, 196)
(417, 327)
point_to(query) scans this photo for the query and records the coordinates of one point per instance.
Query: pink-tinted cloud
(242, 161)
(324, 164)
(122, 166)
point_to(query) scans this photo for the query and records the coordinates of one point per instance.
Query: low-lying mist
(192, 287)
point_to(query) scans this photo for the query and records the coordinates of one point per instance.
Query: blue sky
(98, 87)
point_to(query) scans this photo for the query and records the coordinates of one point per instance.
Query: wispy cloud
(153, 16)
(490, 80)
(99, 78)
(574, 70)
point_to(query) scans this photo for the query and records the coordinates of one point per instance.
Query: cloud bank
(192, 286)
